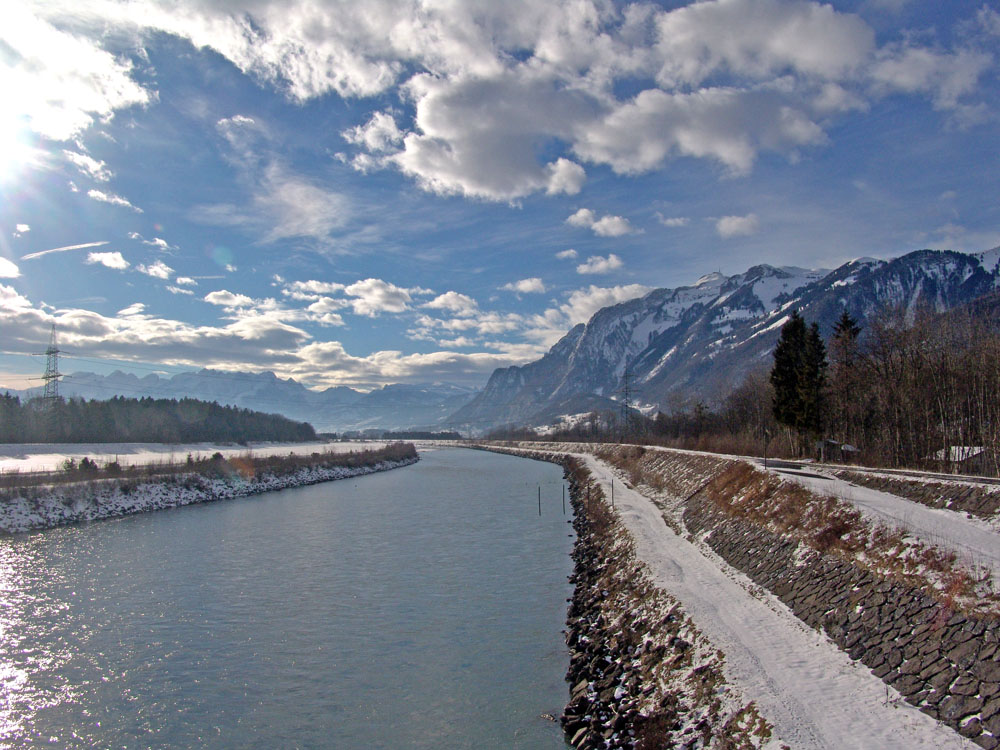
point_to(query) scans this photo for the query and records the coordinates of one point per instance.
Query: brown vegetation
(246, 465)
(825, 524)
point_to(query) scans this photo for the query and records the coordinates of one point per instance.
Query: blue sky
(365, 193)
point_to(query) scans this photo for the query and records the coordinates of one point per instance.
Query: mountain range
(663, 350)
(700, 341)
(336, 409)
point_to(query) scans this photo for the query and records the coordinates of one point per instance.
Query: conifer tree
(799, 377)
(788, 355)
(812, 385)
(846, 329)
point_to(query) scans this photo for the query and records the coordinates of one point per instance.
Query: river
(419, 608)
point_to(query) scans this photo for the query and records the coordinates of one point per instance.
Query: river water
(416, 608)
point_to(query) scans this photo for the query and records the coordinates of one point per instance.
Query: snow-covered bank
(800, 630)
(641, 673)
(815, 695)
(45, 507)
(25, 457)
(972, 539)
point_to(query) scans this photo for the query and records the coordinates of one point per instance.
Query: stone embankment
(938, 659)
(817, 558)
(641, 674)
(28, 509)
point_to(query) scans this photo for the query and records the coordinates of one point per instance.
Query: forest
(146, 420)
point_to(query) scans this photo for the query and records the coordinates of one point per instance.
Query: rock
(971, 728)
(987, 670)
(954, 708)
(965, 685)
(964, 655)
(990, 709)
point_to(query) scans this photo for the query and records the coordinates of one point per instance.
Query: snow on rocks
(641, 673)
(34, 508)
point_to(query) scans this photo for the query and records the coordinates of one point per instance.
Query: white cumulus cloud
(225, 298)
(8, 269)
(737, 226)
(534, 285)
(455, 302)
(375, 296)
(606, 226)
(672, 221)
(158, 270)
(598, 264)
(565, 176)
(110, 259)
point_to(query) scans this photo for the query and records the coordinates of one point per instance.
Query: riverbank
(32, 508)
(800, 672)
(641, 673)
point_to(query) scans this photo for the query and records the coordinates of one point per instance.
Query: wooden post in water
(564, 499)
(539, 500)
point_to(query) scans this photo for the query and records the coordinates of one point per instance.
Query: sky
(362, 193)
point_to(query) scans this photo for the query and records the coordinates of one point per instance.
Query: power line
(52, 374)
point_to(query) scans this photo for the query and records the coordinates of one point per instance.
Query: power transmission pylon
(627, 394)
(52, 374)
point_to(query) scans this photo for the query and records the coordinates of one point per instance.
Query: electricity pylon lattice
(627, 392)
(52, 374)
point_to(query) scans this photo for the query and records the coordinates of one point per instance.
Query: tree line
(145, 420)
(905, 389)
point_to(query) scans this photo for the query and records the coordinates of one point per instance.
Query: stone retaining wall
(942, 662)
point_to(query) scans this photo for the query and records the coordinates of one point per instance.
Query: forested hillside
(146, 420)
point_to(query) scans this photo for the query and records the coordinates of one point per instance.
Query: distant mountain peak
(711, 279)
(700, 341)
(336, 409)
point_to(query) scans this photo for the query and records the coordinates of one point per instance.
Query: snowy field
(815, 695)
(24, 457)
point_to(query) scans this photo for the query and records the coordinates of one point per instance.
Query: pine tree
(799, 377)
(846, 329)
(812, 385)
(788, 355)
(847, 409)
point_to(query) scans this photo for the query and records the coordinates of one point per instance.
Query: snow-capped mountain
(392, 407)
(700, 341)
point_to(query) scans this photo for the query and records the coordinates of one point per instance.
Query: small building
(834, 452)
(963, 459)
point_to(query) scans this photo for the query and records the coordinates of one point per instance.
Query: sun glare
(15, 148)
